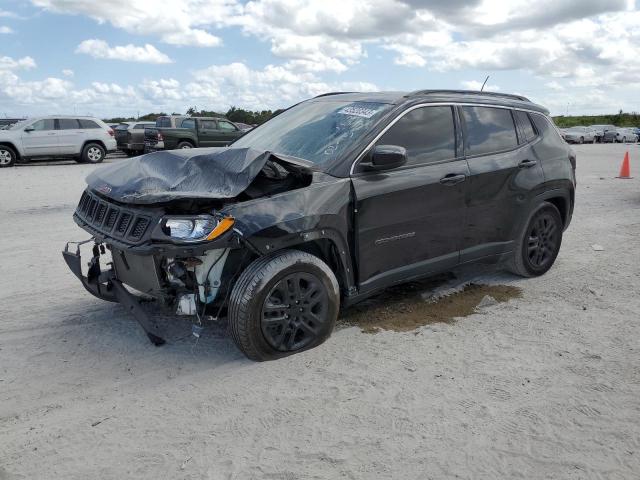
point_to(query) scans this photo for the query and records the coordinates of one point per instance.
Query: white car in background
(579, 135)
(85, 139)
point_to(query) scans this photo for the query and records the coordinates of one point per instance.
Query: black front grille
(139, 227)
(99, 215)
(123, 223)
(113, 220)
(112, 216)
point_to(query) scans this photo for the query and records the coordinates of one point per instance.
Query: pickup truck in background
(130, 137)
(191, 132)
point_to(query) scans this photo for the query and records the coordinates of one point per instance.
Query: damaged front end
(160, 224)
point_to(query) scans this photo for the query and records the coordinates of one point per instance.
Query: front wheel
(92, 153)
(283, 304)
(184, 145)
(7, 157)
(539, 243)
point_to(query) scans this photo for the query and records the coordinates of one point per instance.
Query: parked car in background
(130, 137)
(326, 204)
(192, 132)
(580, 135)
(84, 139)
(620, 135)
(7, 122)
(601, 130)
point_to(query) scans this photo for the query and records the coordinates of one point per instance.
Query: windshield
(317, 131)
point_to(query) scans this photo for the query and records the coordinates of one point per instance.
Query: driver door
(42, 140)
(410, 220)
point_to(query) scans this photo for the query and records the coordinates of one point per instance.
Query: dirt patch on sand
(405, 309)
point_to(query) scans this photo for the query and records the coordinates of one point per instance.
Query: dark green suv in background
(191, 132)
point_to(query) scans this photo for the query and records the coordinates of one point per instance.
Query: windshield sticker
(356, 111)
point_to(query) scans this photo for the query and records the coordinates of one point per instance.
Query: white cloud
(127, 53)
(25, 63)
(67, 72)
(5, 30)
(174, 22)
(476, 85)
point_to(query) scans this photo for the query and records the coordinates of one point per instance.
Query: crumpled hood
(203, 173)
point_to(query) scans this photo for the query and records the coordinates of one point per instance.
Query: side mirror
(386, 157)
(29, 129)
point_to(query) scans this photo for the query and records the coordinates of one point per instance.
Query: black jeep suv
(334, 199)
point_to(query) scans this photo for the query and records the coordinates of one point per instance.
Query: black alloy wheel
(538, 243)
(282, 304)
(294, 312)
(543, 240)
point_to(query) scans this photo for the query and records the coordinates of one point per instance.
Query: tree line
(619, 119)
(234, 114)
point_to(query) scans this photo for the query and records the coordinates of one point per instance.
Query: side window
(46, 124)
(428, 134)
(88, 123)
(163, 122)
(139, 126)
(525, 125)
(207, 125)
(227, 126)
(489, 130)
(188, 123)
(68, 124)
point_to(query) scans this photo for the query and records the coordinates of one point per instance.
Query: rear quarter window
(88, 123)
(489, 130)
(163, 122)
(525, 125)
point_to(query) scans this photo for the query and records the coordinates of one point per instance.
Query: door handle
(527, 164)
(452, 179)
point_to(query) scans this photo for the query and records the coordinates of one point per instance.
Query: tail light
(111, 132)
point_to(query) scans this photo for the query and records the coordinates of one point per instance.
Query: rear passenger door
(70, 136)
(504, 176)
(410, 220)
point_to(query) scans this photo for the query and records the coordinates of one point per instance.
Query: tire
(92, 153)
(581, 140)
(185, 145)
(527, 263)
(624, 139)
(263, 318)
(7, 156)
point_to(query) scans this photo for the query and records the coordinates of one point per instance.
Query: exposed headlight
(196, 229)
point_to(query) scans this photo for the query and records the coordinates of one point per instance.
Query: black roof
(465, 96)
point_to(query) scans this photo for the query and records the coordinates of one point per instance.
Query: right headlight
(196, 229)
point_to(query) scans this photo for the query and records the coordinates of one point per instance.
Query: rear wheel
(539, 242)
(7, 156)
(283, 304)
(184, 145)
(92, 153)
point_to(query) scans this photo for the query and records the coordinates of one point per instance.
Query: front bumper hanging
(105, 285)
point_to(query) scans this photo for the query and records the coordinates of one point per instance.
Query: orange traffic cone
(625, 169)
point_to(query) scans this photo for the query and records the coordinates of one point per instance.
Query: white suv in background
(85, 139)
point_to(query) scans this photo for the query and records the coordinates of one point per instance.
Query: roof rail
(468, 92)
(331, 93)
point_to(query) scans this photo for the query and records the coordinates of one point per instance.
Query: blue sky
(122, 57)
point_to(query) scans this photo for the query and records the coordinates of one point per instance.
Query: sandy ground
(542, 386)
